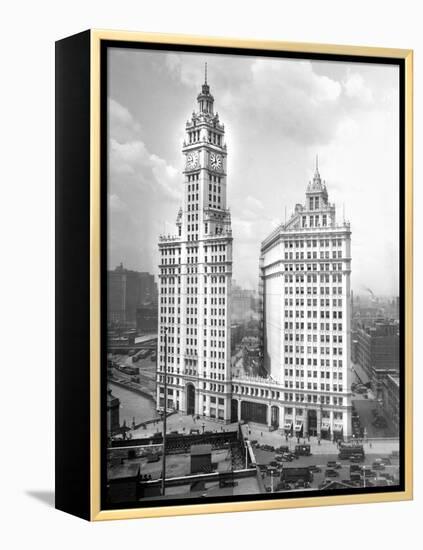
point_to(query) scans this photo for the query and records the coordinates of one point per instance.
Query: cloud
(144, 191)
(355, 88)
(278, 114)
(122, 125)
(254, 202)
(116, 204)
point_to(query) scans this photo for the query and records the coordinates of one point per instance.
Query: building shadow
(46, 497)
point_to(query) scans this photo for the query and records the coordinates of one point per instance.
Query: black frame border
(224, 50)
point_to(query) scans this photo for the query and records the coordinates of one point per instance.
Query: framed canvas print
(234, 275)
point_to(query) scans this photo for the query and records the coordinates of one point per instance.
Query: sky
(278, 115)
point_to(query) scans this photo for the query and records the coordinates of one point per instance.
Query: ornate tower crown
(316, 185)
(205, 99)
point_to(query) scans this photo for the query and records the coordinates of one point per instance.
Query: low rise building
(391, 398)
(377, 350)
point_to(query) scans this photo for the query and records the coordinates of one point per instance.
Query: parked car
(333, 464)
(330, 472)
(315, 469)
(300, 484)
(281, 486)
(356, 458)
(303, 450)
(378, 465)
(387, 476)
(286, 458)
(367, 472)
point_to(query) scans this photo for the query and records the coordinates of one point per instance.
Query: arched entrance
(274, 420)
(312, 422)
(190, 396)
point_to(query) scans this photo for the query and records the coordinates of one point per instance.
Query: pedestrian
(261, 434)
(318, 441)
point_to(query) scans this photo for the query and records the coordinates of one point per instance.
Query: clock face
(192, 160)
(216, 161)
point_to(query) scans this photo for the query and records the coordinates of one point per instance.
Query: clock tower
(195, 277)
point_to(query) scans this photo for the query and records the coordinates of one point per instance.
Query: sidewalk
(276, 439)
(183, 424)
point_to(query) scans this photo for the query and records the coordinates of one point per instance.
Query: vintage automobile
(303, 450)
(333, 464)
(330, 472)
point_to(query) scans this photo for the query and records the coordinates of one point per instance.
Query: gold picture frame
(91, 509)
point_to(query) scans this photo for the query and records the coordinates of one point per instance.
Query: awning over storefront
(338, 428)
(298, 426)
(287, 425)
(325, 426)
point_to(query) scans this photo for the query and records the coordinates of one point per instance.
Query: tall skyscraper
(195, 277)
(305, 283)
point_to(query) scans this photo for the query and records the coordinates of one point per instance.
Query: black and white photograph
(254, 289)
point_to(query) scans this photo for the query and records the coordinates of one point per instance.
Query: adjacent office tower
(195, 277)
(305, 269)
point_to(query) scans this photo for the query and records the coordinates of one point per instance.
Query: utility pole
(164, 414)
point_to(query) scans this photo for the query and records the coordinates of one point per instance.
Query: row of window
(312, 277)
(313, 203)
(313, 255)
(313, 302)
(314, 221)
(314, 374)
(289, 397)
(299, 361)
(312, 290)
(289, 337)
(313, 267)
(312, 314)
(313, 350)
(313, 243)
(289, 385)
(170, 251)
(212, 137)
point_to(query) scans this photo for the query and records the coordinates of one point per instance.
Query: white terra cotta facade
(305, 267)
(195, 277)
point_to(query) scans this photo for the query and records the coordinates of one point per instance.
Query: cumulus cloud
(356, 88)
(122, 125)
(278, 114)
(142, 185)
